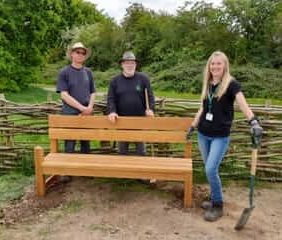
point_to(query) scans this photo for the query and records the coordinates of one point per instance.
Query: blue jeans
(139, 148)
(70, 146)
(213, 150)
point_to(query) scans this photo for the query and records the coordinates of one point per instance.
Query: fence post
(2, 119)
(6, 134)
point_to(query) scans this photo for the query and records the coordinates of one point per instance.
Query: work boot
(206, 205)
(214, 213)
(65, 179)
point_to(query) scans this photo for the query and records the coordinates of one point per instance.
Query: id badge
(209, 116)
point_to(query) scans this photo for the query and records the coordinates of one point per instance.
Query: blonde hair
(225, 80)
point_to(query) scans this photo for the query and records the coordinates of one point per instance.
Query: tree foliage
(30, 30)
(173, 48)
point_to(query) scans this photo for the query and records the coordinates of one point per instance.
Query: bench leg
(39, 177)
(188, 184)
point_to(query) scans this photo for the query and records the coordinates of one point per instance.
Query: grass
(73, 206)
(177, 95)
(39, 94)
(32, 95)
(12, 187)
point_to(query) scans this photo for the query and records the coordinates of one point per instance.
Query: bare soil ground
(97, 209)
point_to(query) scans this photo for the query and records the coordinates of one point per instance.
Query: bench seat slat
(114, 162)
(117, 158)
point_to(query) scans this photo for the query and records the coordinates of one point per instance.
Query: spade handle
(254, 161)
(147, 99)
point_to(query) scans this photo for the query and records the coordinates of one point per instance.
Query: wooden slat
(112, 167)
(124, 161)
(118, 135)
(40, 181)
(188, 186)
(97, 122)
(117, 166)
(53, 145)
(188, 150)
(135, 174)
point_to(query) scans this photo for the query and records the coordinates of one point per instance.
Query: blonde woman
(213, 120)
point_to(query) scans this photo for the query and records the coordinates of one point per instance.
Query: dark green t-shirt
(126, 95)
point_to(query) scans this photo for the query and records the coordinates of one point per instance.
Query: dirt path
(90, 208)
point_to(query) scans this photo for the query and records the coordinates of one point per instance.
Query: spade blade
(244, 218)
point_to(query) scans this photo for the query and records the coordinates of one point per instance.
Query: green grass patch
(123, 185)
(73, 206)
(32, 95)
(173, 94)
(40, 93)
(12, 187)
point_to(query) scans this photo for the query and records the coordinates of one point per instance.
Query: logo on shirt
(85, 76)
(138, 88)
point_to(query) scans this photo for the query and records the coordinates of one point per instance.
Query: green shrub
(187, 77)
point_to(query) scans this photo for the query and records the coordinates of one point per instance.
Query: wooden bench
(130, 129)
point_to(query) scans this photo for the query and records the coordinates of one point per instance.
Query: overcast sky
(116, 8)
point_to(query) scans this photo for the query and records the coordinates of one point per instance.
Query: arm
(89, 108)
(195, 123)
(92, 88)
(197, 117)
(92, 100)
(111, 98)
(243, 105)
(71, 101)
(151, 98)
(111, 103)
(256, 129)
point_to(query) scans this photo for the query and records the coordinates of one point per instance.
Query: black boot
(214, 213)
(206, 205)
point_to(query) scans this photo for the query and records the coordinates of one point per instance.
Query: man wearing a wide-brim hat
(127, 96)
(76, 86)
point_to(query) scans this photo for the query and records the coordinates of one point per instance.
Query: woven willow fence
(22, 126)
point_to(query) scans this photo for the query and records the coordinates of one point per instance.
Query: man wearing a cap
(126, 96)
(76, 86)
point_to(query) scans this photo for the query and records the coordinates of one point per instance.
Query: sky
(117, 8)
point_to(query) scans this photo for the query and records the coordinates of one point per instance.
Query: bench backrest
(130, 129)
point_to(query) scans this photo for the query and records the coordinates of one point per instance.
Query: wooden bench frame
(130, 129)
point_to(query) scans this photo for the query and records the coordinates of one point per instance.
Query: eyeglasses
(81, 52)
(129, 62)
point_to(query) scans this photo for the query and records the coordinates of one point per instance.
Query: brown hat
(128, 56)
(77, 46)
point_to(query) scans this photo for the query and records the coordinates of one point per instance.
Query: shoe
(213, 213)
(206, 205)
(153, 181)
(65, 179)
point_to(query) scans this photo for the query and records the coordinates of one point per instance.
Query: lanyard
(211, 95)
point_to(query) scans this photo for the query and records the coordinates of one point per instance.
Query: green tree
(30, 30)
(254, 21)
(142, 31)
(105, 39)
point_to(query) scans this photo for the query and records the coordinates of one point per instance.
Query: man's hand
(112, 117)
(149, 113)
(87, 111)
(190, 133)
